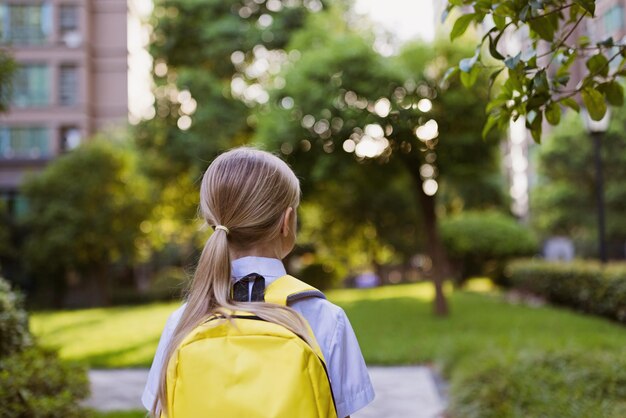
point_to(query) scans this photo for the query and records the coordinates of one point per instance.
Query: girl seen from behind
(229, 352)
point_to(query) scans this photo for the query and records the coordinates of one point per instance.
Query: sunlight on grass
(113, 337)
(422, 291)
(394, 325)
(479, 285)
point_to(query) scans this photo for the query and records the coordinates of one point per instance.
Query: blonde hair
(247, 191)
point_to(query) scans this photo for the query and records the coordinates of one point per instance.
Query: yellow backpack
(250, 368)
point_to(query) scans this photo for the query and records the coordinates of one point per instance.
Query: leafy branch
(526, 87)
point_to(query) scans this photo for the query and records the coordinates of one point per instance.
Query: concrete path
(401, 392)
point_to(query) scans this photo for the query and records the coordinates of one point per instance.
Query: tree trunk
(435, 246)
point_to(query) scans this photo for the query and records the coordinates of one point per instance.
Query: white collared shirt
(349, 379)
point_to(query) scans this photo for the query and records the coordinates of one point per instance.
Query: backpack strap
(287, 289)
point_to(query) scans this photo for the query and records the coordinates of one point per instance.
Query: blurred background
(478, 258)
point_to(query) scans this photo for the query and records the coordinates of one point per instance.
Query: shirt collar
(270, 268)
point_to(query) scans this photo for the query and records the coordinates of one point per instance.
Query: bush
(480, 243)
(13, 322)
(33, 382)
(318, 275)
(531, 384)
(584, 285)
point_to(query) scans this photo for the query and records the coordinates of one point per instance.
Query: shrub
(550, 384)
(318, 276)
(33, 382)
(13, 321)
(587, 286)
(480, 243)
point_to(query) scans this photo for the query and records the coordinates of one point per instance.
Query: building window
(70, 138)
(68, 19)
(24, 143)
(31, 86)
(68, 85)
(613, 20)
(25, 24)
(68, 26)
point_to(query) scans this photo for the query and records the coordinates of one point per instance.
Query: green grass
(394, 325)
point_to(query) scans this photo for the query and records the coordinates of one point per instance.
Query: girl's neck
(266, 251)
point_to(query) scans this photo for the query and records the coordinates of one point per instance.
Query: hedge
(587, 286)
(34, 383)
(479, 243)
(569, 384)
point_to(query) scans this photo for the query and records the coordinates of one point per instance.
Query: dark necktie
(240, 289)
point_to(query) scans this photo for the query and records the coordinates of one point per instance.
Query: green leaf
(493, 43)
(571, 103)
(494, 75)
(461, 24)
(553, 113)
(544, 27)
(540, 82)
(492, 120)
(523, 14)
(495, 103)
(469, 79)
(588, 5)
(566, 59)
(613, 91)
(598, 64)
(608, 42)
(594, 102)
(536, 134)
(499, 21)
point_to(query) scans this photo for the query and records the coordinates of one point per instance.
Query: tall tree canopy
(342, 103)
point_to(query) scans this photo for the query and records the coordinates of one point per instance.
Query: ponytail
(245, 191)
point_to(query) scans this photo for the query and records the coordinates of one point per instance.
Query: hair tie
(222, 227)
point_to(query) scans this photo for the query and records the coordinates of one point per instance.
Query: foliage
(85, 213)
(199, 47)
(540, 80)
(13, 321)
(565, 384)
(587, 286)
(566, 192)
(318, 276)
(480, 243)
(343, 105)
(33, 383)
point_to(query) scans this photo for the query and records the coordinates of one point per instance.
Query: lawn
(503, 360)
(394, 325)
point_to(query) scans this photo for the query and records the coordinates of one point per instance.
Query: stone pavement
(401, 392)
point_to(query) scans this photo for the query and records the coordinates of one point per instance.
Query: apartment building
(71, 80)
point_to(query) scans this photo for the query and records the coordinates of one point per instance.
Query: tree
(565, 196)
(86, 208)
(200, 47)
(340, 95)
(539, 79)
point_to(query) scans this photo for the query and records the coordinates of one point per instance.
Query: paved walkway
(401, 392)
